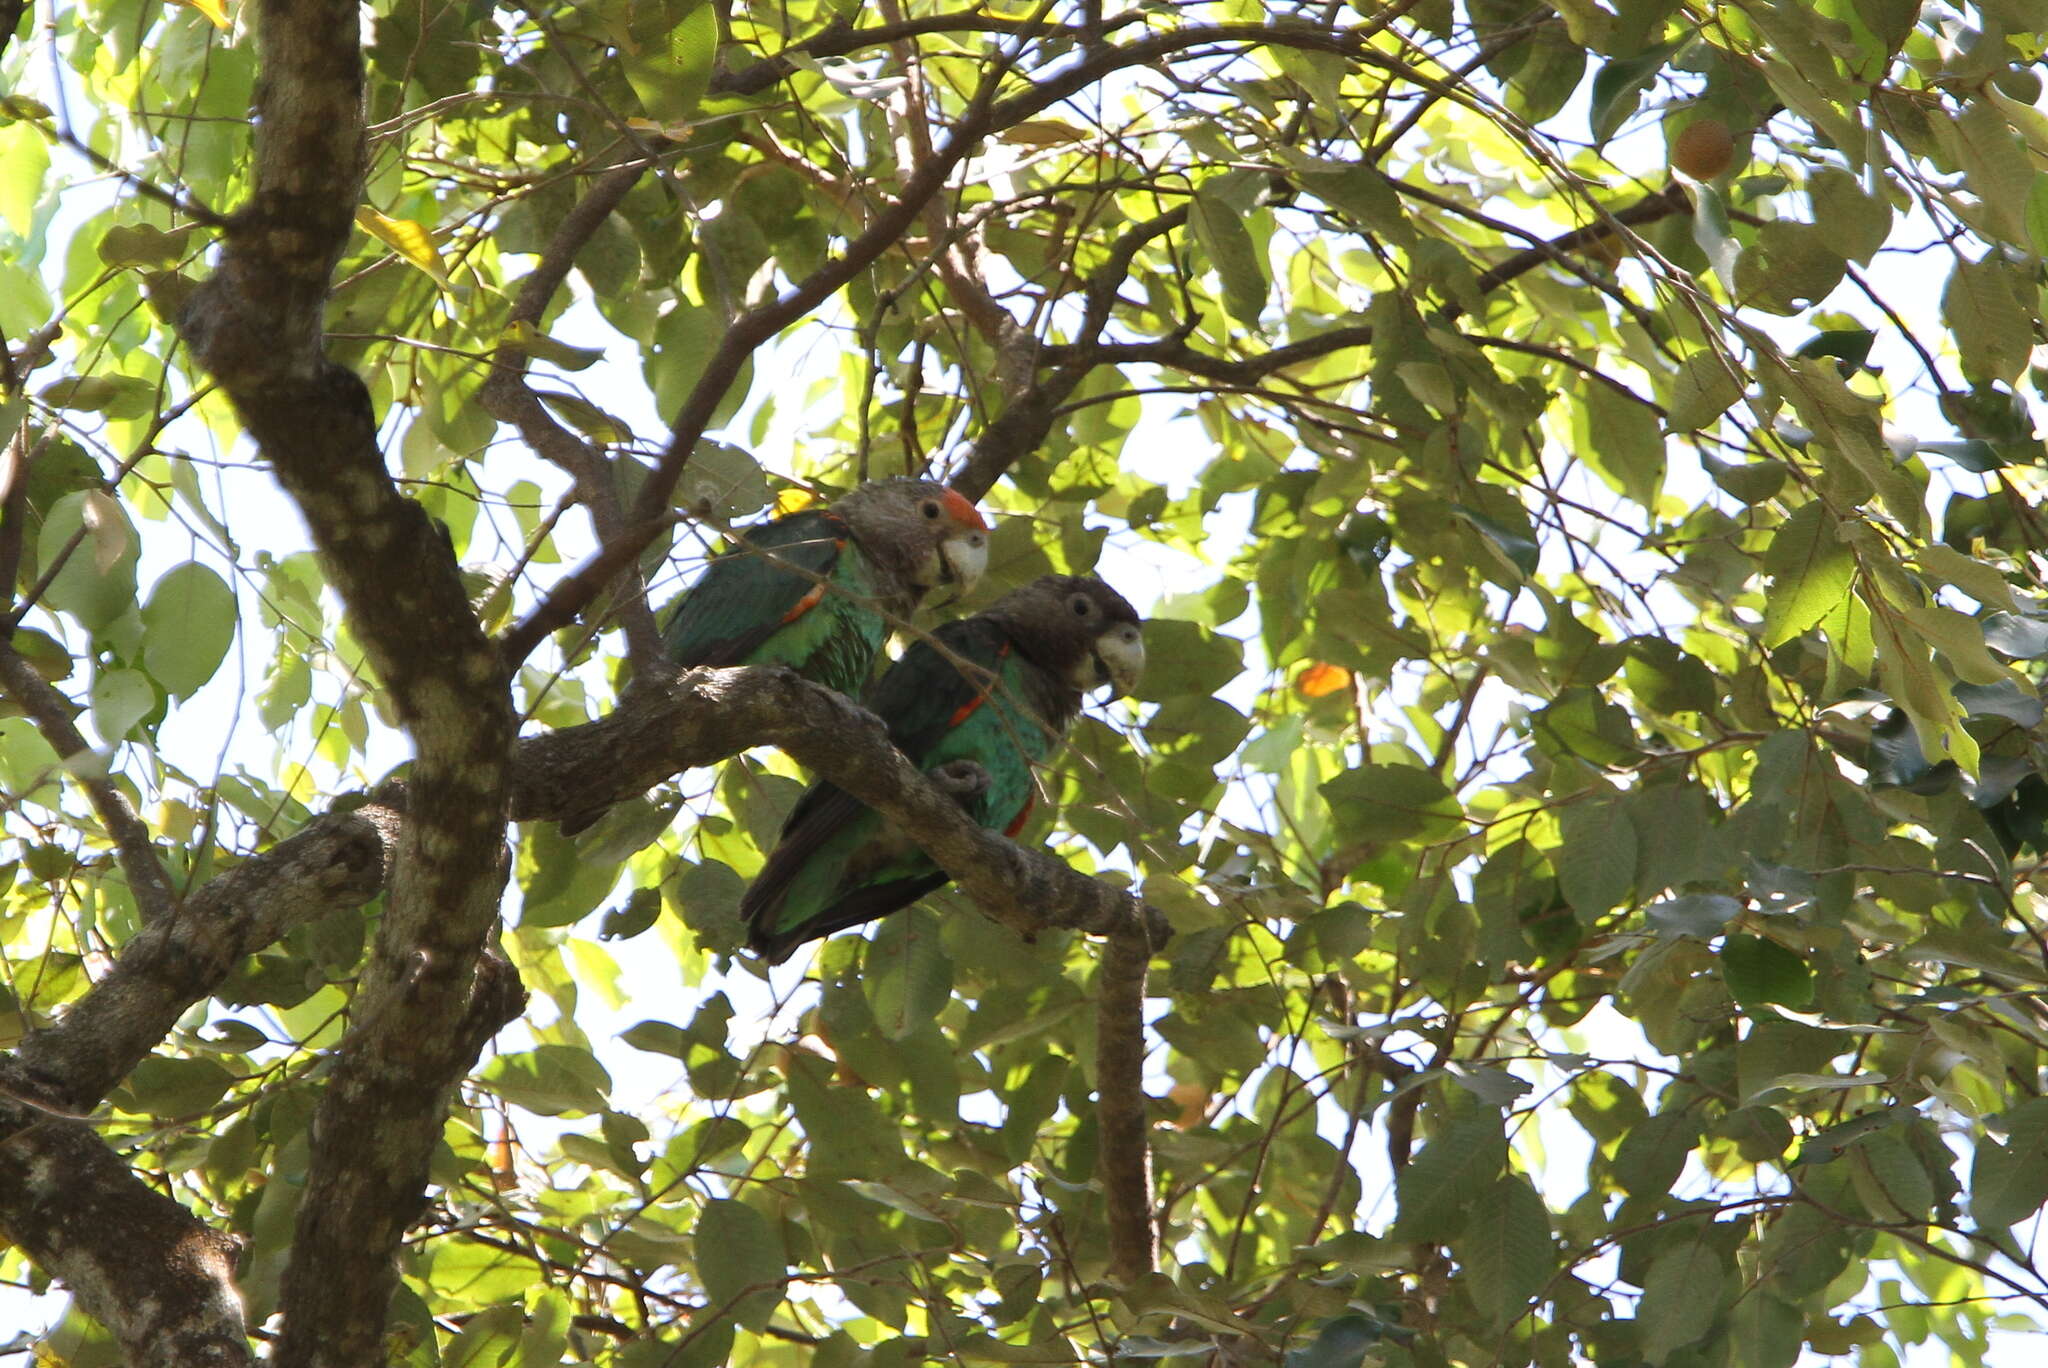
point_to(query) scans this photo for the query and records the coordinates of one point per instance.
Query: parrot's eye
(1081, 605)
(931, 508)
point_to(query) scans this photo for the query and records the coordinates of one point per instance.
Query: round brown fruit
(1703, 149)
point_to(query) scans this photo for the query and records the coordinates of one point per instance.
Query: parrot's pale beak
(963, 557)
(1121, 653)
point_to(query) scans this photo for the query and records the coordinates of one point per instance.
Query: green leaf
(1184, 658)
(1701, 392)
(2037, 214)
(1517, 549)
(24, 163)
(1995, 162)
(1792, 265)
(1220, 229)
(906, 975)
(722, 479)
(1506, 1249)
(1715, 238)
(1360, 192)
(166, 1086)
(587, 418)
(740, 1255)
(1653, 1153)
(550, 1079)
(1681, 1298)
(1596, 860)
(1456, 1170)
(1759, 971)
(1618, 89)
(668, 58)
(1810, 570)
(1986, 305)
(145, 245)
(1341, 1343)
(116, 396)
(188, 624)
(2006, 1185)
(1764, 1331)
(97, 581)
(1392, 803)
(1890, 1178)
(120, 699)
(1624, 445)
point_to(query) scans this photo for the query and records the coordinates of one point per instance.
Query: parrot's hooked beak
(962, 558)
(1120, 658)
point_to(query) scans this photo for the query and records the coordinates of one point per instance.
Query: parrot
(816, 589)
(974, 707)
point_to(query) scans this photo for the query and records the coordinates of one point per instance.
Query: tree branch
(1125, 1155)
(137, 1262)
(1022, 426)
(340, 861)
(256, 324)
(668, 723)
(508, 397)
(51, 712)
(840, 39)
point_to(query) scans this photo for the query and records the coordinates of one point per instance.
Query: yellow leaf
(1042, 133)
(410, 240)
(679, 130)
(1320, 680)
(216, 13)
(793, 499)
(538, 344)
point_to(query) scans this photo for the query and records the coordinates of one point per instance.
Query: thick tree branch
(1125, 1155)
(257, 326)
(668, 722)
(133, 849)
(680, 721)
(137, 1262)
(340, 861)
(508, 397)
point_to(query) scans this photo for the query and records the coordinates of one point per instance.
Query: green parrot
(975, 708)
(816, 590)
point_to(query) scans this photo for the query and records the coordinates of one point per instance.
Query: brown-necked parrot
(1022, 667)
(816, 589)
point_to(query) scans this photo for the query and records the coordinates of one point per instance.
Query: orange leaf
(1320, 680)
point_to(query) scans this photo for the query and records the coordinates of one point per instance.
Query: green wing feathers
(762, 602)
(838, 863)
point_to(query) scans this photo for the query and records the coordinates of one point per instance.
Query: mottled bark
(137, 1262)
(1125, 1156)
(425, 995)
(340, 861)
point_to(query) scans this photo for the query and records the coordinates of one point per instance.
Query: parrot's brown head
(1078, 628)
(920, 531)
